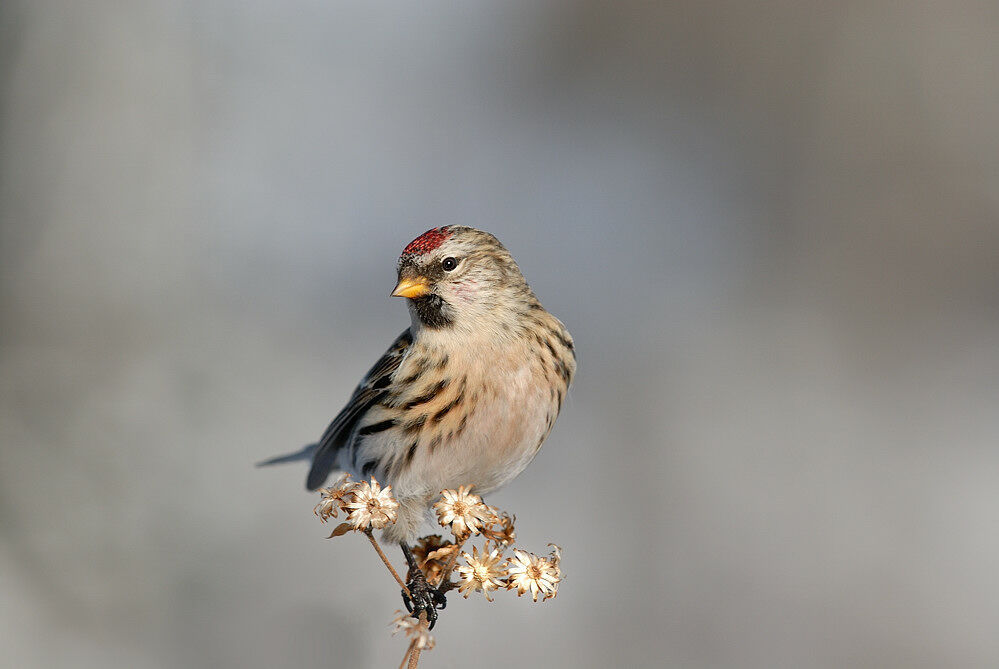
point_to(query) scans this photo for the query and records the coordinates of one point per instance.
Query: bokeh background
(773, 229)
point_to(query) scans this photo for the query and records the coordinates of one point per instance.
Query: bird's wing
(368, 392)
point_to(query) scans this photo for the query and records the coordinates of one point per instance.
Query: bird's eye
(449, 264)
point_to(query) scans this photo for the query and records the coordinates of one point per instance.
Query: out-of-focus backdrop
(773, 229)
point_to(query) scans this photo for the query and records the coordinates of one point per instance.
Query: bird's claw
(423, 599)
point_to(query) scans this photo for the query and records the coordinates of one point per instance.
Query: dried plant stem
(409, 652)
(414, 653)
(449, 565)
(381, 554)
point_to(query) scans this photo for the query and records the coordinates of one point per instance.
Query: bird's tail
(303, 454)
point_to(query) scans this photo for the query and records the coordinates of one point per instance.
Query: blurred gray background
(773, 229)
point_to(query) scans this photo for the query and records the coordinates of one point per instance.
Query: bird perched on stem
(465, 396)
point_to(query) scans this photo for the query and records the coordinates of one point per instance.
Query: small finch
(464, 397)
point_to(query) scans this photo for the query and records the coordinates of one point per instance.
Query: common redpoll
(464, 397)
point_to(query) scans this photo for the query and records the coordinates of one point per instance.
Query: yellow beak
(411, 288)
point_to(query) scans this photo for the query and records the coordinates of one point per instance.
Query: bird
(465, 396)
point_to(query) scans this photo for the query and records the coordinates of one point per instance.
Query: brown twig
(381, 554)
(409, 652)
(414, 653)
(449, 565)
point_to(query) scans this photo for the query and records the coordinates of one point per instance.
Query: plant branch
(414, 653)
(449, 566)
(381, 554)
(409, 651)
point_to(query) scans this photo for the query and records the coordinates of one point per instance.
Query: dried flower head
(556, 555)
(334, 498)
(537, 574)
(424, 546)
(500, 528)
(416, 630)
(483, 573)
(432, 554)
(371, 506)
(462, 510)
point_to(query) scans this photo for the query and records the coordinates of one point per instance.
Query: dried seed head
(334, 498)
(483, 572)
(371, 506)
(556, 554)
(424, 546)
(537, 574)
(463, 511)
(499, 529)
(432, 554)
(414, 629)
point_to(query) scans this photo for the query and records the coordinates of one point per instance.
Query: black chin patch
(433, 311)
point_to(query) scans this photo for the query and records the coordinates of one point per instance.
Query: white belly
(501, 436)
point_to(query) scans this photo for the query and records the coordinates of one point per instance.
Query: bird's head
(456, 275)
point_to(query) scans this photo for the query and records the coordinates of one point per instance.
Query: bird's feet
(423, 598)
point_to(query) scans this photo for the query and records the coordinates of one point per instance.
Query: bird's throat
(433, 312)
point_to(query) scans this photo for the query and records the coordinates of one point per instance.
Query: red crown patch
(427, 242)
